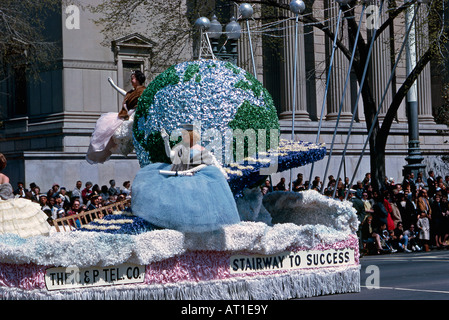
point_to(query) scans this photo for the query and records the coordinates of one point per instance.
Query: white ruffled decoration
(310, 207)
(123, 137)
(22, 217)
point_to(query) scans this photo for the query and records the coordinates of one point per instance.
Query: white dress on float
(112, 135)
(21, 216)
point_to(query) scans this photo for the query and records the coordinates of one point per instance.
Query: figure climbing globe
(213, 94)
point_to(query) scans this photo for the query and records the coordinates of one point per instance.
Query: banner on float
(73, 277)
(292, 260)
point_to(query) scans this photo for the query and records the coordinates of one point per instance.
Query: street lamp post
(297, 7)
(246, 10)
(214, 32)
(414, 157)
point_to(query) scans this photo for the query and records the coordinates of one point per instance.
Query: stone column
(339, 72)
(320, 54)
(381, 67)
(288, 76)
(423, 83)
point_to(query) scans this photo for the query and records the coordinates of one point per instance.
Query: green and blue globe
(215, 94)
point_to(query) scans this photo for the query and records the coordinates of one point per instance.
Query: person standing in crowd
(445, 219)
(76, 192)
(57, 211)
(268, 185)
(45, 205)
(359, 189)
(412, 182)
(298, 184)
(104, 193)
(65, 198)
(367, 180)
(127, 188)
(419, 184)
(54, 191)
(395, 212)
(412, 207)
(20, 191)
(423, 225)
(380, 214)
(317, 183)
(436, 221)
(401, 204)
(113, 190)
(281, 185)
(96, 189)
(35, 194)
(431, 183)
(87, 191)
(423, 203)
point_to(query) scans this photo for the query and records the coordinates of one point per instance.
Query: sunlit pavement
(401, 276)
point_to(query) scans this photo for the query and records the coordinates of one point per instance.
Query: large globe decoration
(214, 94)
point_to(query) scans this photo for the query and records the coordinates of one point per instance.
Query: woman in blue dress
(189, 195)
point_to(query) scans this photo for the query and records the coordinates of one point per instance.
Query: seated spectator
(268, 185)
(74, 210)
(400, 240)
(127, 188)
(45, 206)
(57, 211)
(65, 198)
(298, 183)
(54, 191)
(20, 191)
(412, 235)
(113, 190)
(280, 186)
(367, 203)
(104, 193)
(94, 202)
(386, 239)
(370, 235)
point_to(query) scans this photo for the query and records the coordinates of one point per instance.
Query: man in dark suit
(431, 184)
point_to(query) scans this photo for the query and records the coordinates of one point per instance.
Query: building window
(131, 52)
(20, 91)
(127, 68)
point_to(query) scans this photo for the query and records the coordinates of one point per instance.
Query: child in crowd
(423, 225)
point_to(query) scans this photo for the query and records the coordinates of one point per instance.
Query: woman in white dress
(112, 133)
(19, 216)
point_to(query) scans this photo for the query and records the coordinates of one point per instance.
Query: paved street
(402, 276)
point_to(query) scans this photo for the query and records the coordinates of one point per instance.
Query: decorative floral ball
(211, 94)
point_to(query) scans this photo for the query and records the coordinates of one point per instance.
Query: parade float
(284, 245)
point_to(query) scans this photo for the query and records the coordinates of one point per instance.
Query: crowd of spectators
(59, 202)
(408, 215)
